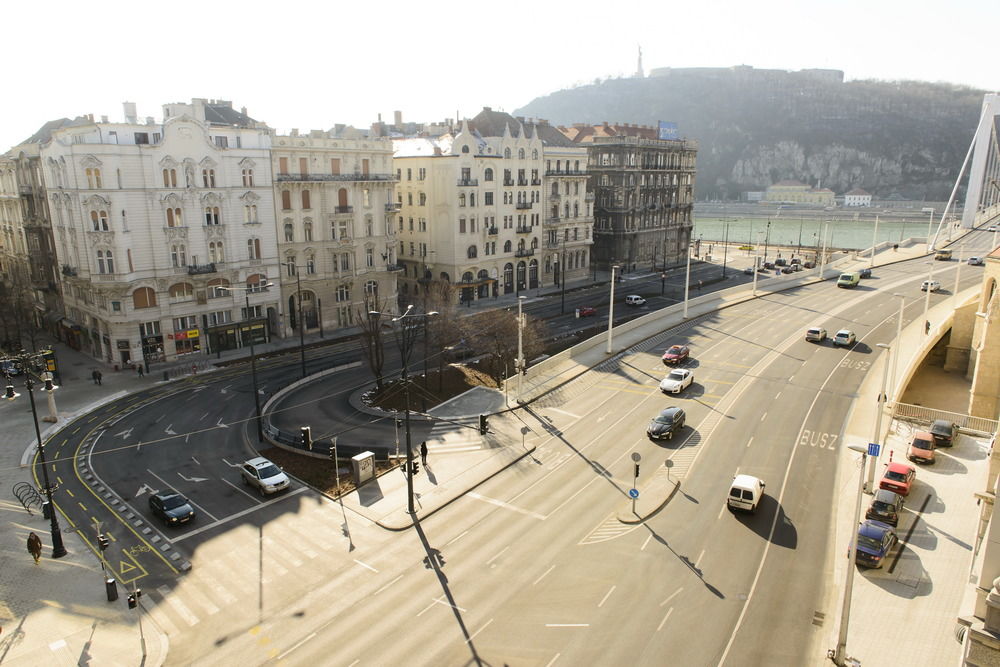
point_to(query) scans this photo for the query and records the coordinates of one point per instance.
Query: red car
(898, 477)
(676, 354)
(587, 311)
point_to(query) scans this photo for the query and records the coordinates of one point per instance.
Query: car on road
(815, 334)
(844, 338)
(787, 269)
(9, 368)
(780, 262)
(886, 507)
(849, 279)
(634, 300)
(745, 493)
(875, 541)
(943, 255)
(808, 265)
(675, 354)
(975, 261)
(264, 475)
(665, 424)
(171, 507)
(932, 285)
(796, 266)
(587, 311)
(898, 477)
(748, 271)
(991, 228)
(944, 432)
(921, 448)
(865, 273)
(677, 381)
(769, 266)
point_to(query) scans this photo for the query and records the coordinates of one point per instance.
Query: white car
(264, 475)
(991, 228)
(932, 285)
(678, 380)
(844, 337)
(975, 261)
(635, 300)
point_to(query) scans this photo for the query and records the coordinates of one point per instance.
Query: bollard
(112, 589)
(165, 376)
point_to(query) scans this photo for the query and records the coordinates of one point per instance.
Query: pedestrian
(423, 452)
(699, 285)
(138, 369)
(34, 546)
(93, 375)
(100, 377)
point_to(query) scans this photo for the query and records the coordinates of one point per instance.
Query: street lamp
(663, 283)
(756, 260)
(519, 364)
(253, 354)
(30, 364)
(687, 280)
(611, 308)
(899, 332)
(838, 655)
(874, 242)
(930, 221)
(927, 296)
(877, 437)
(302, 324)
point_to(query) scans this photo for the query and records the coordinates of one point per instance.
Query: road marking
(763, 416)
(82, 506)
(749, 441)
(567, 625)
(282, 656)
(672, 595)
(490, 561)
(700, 556)
(446, 604)
(456, 539)
(478, 631)
(648, 538)
(664, 621)
(505, 505)
(543, 575)
(178, 606)
(606, 596)
(387, 585)
(229, 518)
(256, 500)
(145, 487)
(203, 416)
(365, 565)
(553, 660)
(563, 412)
(69, 493)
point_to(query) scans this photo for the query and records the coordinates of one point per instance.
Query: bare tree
(372, 342)
(494, 333)
(442, 329)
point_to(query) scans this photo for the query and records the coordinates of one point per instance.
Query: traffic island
(650, 500)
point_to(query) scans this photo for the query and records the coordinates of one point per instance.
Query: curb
(628, 518)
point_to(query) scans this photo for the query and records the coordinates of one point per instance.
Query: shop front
(186, 342)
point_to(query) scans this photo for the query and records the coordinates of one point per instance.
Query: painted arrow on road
(169, 430)
(220, 424)
(193, 479)
(145, 488)
(125, 434)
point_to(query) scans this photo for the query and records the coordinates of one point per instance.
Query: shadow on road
(785, 534)
(687, 562)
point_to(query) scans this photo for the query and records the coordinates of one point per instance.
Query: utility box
(363, 468)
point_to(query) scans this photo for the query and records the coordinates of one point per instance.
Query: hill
(757, 127)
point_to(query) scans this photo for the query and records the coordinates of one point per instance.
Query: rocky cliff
(757, 127)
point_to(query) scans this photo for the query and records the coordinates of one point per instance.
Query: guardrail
(924, 415)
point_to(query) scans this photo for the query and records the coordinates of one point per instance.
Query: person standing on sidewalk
(423, 452)
(100, 377)
(34, 546)
(138, 369)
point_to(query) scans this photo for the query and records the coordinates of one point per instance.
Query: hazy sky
(310, 65)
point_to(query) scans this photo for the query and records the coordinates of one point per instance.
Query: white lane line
(177, 606)
(282, 656)
(543, 575)
(722, 511)
(749, 441)
(763, 416)
(354, 663)
(191, 502)
(664, 621)
(500, 503)
(553, 660)
(643, 547)
(256, 500)
(777, 396)
(672, 595)
(365, 565)
(567, 625)
(387, 585)
(490, 561)
(456, 539)
(606, 596)
(229, 518)
(700, 556)
(563, 412)
(473, 635)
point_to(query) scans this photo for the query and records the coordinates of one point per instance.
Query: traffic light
(482, 424)
(306, 437)
(416, 466)
(102, 541)
(399, 423)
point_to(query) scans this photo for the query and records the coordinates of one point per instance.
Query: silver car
(264, 475)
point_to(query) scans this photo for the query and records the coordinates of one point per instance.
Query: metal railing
(523, 205)
(522, 229)
(343, 209)
(468, 181)
(923, 414)
(524, 252)
(285, 178)
(201, 268)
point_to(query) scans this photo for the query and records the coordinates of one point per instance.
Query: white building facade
(151, 220)
(857, 197)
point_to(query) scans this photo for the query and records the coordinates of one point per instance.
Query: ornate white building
(335, 207)
(151, 219)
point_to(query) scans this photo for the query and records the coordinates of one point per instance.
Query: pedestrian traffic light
(102, 541)
(482, 424)
(399, 423)
(132, 601)
(416, 466)
(306, 437)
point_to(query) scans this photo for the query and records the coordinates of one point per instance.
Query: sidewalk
(57, 612)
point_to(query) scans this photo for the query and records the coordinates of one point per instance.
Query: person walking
(34, 546)
(423, 452)
(138, 369)
(93, 375)
(100, 377)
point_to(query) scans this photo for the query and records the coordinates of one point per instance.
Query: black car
(780, 262)
(943, 432)
(171, 507)
(885, 507)
(665, 424)
(865, 273)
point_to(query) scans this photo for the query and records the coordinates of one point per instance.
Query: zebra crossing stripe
(177, 606)
(196, 597)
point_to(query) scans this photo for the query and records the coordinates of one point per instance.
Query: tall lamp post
(877, 436)
(302, 324)
(839, 654)
(899, 332)
(687, 281)
(31, 364)
(930, 221)
(611, 308)
(253, 353)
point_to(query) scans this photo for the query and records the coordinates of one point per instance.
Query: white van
(634, 300)
(745, 493)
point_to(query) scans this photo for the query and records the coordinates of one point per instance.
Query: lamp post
(519, 364)
(301, 322)
(930, 220)
(30, 364)
(899, 331)
(877, 436)
(611, 308)
(839, 655)
(756, 260)
(927, 296)
(958, 272)
(663, 283)
(725, 251)
(687, 281)
(767, 237)
(253, 352)
(874, 242)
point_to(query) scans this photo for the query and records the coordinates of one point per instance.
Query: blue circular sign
(633, 493)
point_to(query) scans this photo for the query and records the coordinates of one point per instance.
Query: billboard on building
(666, 130)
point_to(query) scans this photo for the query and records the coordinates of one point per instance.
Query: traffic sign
(873, 448)
(636, 456)
(633, 493)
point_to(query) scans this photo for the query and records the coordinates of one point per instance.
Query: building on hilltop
(644, 194)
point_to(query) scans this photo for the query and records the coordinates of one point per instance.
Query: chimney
(130, 115)
(149, 120)
(437, 151)
(243, 110)
(104, 119)
(397, 119)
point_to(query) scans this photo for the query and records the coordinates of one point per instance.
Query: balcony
(467, 182)
(565, 172)
(523, 205)
(553, 220)
(524, 229)
(394, 268)
(524, 252)
(310, 178)
(201, 268)
(340, 210)
(508, 182)
(522, 182)
(492, 231)
(69, 271)
(589, 196)
(392, 208)
(549, 243)
(554, 196)
(536, 181)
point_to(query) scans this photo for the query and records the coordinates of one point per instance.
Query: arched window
(534, 153)
(461, 199)
(286, 200)
(253, 248)
(144, 297)
(488, 175)
(310, 264)
(534, 243)
(472, 252)
(307, 231)
(215, 253)
(289, 233)
(520, 153)
(465, 149)
(305, 199)
(105, 262)
(181, 291)
(506, 246)
(178, 255)
(506, 153)
(215, 288)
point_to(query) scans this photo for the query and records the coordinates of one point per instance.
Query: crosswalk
(454, 438)
(286, 557)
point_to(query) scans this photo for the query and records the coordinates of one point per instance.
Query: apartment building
(335, 209)
(151, 220)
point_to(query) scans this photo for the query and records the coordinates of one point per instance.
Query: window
(343, 293)
(283, 165)
(208, 178)
(250, 213)
(215, 253)
(461, 225)
(461, 199)
(520, 153)
(105, 262)
(303, 165)
(173, 217)
(409, 199)
(409, 174)
(144, 297)
(286, 200)
(472, 252)
(211, 215)
(422, 199)
(369, 226)
(421, 174)
(290, 265)
(219, 317)
(222, 142)
(186, 322)
(488, 175)
(257, 283)
(149, 328)
(253, 248)
(99, 220)
(343, 230)
(310, 264)
(170, 178)
(248, 178)
(369, 257)
(465, 149)
(307, 231)
(181, 292)
(506, 246)
(488, 199)
(305, 199)
(506, 153)
(334, 165)
(534, 154)
(371, 288)
(366, 198)
(345, 262)
(178, 255)
(94, 178)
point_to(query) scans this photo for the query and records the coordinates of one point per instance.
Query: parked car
(745, 493)
(769, 265)
(921, 448)
(171, 507)
(780, 262)
(865, 273)
(809, 265)
(796, 261)
(634, 300)
(587, 311)
(796, 267)
(875, 541)
(844, 338)
(932, 285)
(898, 477)
(886, 507)
(676, 354)
(9, 368)
(787, 269)
(815, 334)
(264, 475)
(677, 381)
(944, 432)
(748, 271)
(665, 424)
